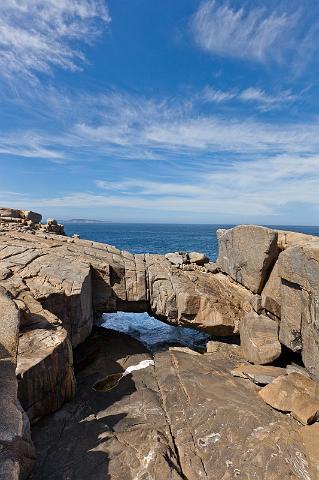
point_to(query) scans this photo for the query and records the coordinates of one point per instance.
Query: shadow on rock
(79, 440)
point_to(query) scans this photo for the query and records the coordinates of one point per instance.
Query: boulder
(260, 374)
(32, 216)
(247, 253)
(294, 393)
(9, 212)
(198, 258)
(229, 349)
(177, 258)
(211, 303)
(299, 326)
(52, 221)
(212, 267)
(259, 339)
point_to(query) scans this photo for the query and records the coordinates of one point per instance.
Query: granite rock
(294, 393)
(299, 326)
(259, 374)
(17, 453)
(247, 253)
(259, 339)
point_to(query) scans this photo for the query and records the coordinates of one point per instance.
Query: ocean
(158, 238)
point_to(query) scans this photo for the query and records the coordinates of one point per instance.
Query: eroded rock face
(213, 303)
(299, 327)
(247, 253)
(45, 371)
(259, 339)
(17, 453)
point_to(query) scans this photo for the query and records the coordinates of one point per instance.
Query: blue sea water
(158, 238)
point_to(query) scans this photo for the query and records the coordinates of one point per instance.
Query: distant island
(84, 220)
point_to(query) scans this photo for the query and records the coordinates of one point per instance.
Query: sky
(186, 111)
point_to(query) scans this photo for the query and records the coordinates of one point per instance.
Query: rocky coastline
(248, 411)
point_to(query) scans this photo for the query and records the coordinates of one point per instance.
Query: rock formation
(16, 450)
(263, 287)
(259, 339)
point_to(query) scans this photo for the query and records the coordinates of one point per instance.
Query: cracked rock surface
(185, 418)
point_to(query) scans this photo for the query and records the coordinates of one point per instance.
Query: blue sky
(161, 111)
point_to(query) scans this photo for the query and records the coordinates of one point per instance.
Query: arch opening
(154, 334)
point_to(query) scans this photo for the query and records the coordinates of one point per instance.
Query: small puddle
(111, 381)
(108, 383)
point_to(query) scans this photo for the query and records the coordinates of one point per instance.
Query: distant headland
(84, 220)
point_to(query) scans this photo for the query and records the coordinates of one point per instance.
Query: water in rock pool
(158, 238)
(155, 335)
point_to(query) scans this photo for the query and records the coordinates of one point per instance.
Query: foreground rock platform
(172, 421)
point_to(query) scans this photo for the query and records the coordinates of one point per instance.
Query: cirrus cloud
(37, 35)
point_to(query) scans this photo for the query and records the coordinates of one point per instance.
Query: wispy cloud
(29, 145)
(37, 35)
(254, 32)
(258, 189)
(115, 125)
(253, 95)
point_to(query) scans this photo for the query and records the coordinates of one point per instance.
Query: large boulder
(299, 326)
(247, 253)
(259, 339)
(9, 213)
(177, 258)
(20, 214)
(32, 216)
(294, 393)
(198, 258)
